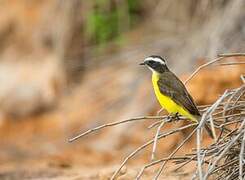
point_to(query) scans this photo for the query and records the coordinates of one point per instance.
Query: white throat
(152, 70)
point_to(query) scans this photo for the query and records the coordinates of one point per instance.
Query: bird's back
(173, 96)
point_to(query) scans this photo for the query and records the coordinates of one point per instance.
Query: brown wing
(171, 86)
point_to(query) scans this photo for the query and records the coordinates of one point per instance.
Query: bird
(171, 92)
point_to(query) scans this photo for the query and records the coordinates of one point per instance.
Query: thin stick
(241, 159)
(243, 78)
(225, 150)
(221, 155)
(231, 54)
(145, 145)
(154, 124)
(212, 109)
(153, 154)
(201, 67)
(114, 124)
(230, 63)
(173, 153)
(199, 162)
(220, 114)
(129, 157)
(231, 122)
(220, 57)
(212, 128)
(160, 121)
(159, 112)
(139, 175)
(230, 99)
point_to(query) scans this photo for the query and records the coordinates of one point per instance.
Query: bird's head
(155, 64)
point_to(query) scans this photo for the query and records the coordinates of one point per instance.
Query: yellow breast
(166, 102)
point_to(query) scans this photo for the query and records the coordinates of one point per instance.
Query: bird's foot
(175, 116)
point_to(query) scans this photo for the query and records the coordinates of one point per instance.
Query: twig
(243, 78)
(154, 124)
(220, 57)
(225, 150)
(159, 112)
(212, 128)
(241, 162)
(231, 63)
(153, 163)
(212, 109)
(173, 153)
(223, 158)
(155, 141)
(160, 121)
(201, 67)
(231, 54)
(199, 162)
(114, 124)
(147, 144)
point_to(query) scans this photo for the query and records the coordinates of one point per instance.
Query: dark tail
(209, 131)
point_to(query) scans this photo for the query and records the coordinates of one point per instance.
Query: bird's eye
(151, 62)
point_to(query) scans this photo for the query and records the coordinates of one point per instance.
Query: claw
(176, 116)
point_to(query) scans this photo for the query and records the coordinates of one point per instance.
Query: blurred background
(66, 66)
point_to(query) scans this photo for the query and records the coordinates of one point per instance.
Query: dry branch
(224, 158)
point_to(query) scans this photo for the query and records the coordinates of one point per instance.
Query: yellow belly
(167, 103)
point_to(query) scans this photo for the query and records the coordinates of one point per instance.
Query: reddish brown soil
(37, 147)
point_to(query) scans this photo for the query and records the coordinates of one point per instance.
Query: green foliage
(134, 10)
(103, 21)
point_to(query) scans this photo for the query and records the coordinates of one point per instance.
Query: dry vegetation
(223, 158)
(58, 79)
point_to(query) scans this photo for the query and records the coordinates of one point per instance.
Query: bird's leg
(171, 117)
(175, 116)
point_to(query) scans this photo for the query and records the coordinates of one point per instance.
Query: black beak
(142, 63)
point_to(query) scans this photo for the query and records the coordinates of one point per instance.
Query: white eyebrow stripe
(155, 59)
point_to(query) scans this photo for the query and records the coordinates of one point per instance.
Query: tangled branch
(224, 158)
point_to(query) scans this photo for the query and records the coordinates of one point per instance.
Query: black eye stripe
(154, 62)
